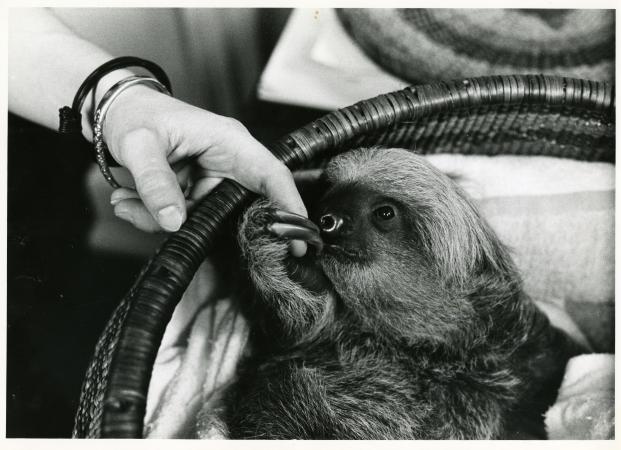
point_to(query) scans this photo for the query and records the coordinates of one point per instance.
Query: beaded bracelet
(101, 148)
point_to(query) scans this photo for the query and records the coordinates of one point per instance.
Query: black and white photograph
(300, 222)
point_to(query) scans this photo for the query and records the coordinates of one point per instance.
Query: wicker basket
(420, 45)
(520, 115)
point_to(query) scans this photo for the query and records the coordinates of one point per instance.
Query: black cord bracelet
(70, 117)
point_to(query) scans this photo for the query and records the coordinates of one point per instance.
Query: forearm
(47, 64)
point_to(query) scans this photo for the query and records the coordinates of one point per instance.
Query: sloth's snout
(332, 225)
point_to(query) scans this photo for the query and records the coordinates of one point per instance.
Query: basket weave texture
(419, 45)
(519, 115)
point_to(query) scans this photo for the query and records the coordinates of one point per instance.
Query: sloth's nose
(331, 224)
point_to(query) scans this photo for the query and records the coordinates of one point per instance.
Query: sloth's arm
(294, 290)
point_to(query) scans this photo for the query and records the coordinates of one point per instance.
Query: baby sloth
(406, 319)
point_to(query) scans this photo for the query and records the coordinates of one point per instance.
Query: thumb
(144, 156)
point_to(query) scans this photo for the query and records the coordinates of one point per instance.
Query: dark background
(60, 292)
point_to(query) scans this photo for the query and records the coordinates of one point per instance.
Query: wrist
(94, 97)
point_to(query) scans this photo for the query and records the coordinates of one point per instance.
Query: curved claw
(292, 218)
(292, 226)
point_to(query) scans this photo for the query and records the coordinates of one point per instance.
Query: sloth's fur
(423, 332)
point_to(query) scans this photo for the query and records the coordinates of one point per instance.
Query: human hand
(167, 144)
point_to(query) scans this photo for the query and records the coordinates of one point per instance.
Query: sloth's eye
(384, 213)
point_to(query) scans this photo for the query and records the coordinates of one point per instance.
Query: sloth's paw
(264, 222)
(264, 235)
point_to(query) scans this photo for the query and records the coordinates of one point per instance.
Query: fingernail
(124, 215)
(114, 201)
(298, 248)
(170, 218)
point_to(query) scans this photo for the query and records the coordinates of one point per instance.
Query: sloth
(405, 320)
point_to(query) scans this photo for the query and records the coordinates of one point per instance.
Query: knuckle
(281, 171)
(234, 125)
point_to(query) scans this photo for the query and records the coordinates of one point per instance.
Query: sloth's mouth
(340, 251)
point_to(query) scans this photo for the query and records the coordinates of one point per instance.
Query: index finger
(265, 174)
(260, 171)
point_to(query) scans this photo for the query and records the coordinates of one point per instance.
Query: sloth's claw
(287, 225)
(295, 219)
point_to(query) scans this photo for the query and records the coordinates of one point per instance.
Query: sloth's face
(384, 257)
(374, 258)
(398, 242)
(360, 224)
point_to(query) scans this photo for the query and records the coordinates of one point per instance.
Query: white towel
(585, 407)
